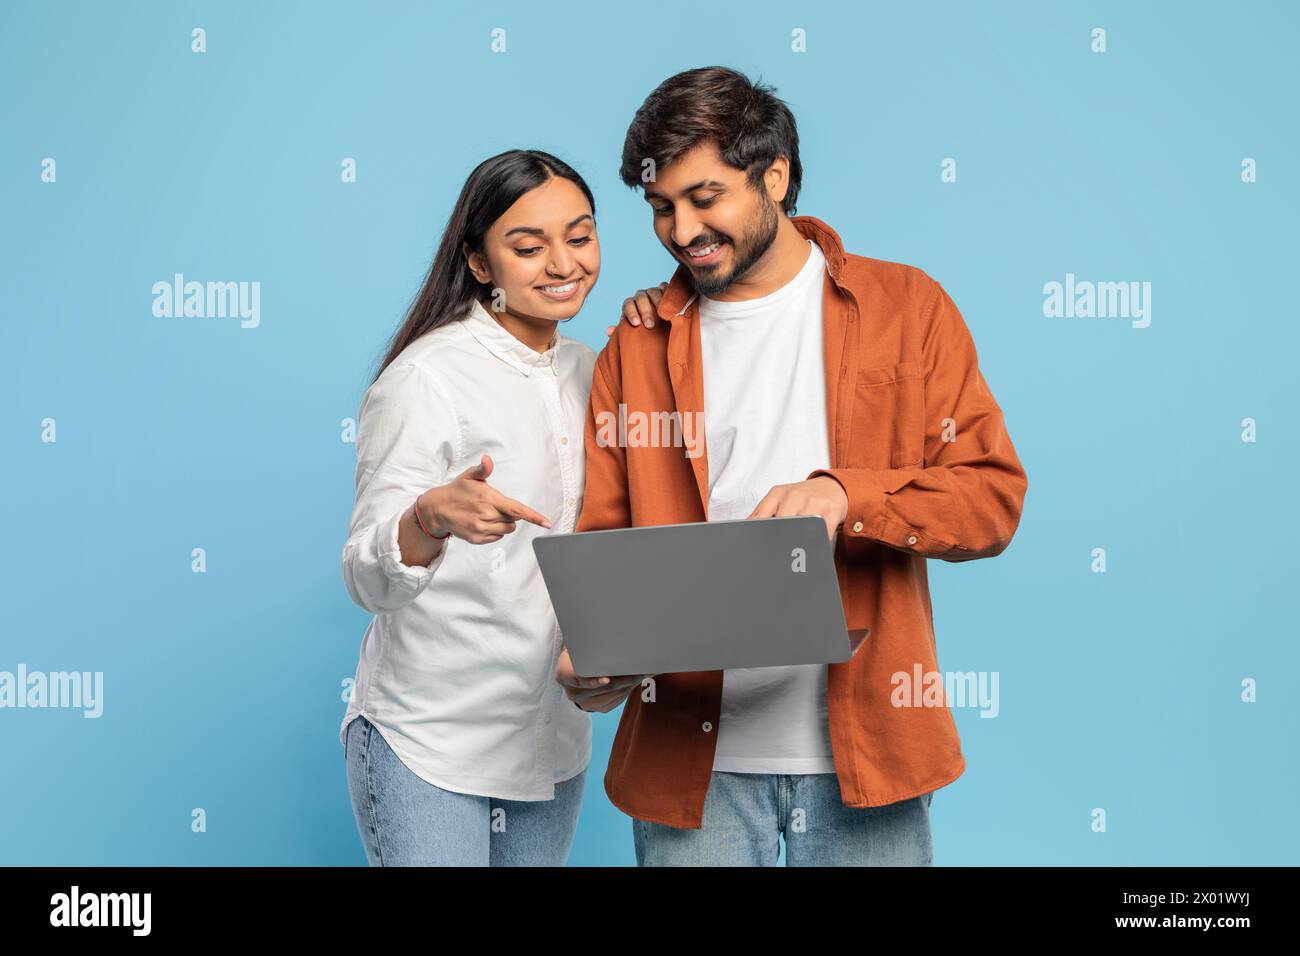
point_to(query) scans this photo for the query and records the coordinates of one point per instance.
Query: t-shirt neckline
(814, 264)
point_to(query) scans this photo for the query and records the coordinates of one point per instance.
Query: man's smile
(704, 255)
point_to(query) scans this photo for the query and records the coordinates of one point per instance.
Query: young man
(830, 384)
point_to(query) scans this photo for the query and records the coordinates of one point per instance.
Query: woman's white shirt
(457, 668)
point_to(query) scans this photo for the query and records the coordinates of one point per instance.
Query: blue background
(223, 690)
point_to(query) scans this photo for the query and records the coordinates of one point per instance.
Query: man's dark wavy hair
(747, 121)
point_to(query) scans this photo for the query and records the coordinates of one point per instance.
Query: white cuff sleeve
(407, 439)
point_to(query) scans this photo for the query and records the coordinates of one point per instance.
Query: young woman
(461, 748)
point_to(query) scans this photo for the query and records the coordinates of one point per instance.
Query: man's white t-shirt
(765, 422)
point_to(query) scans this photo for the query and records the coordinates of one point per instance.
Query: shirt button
(569, 502)
(564, 440)
(857, 526)
(706, 726)
(911, 539)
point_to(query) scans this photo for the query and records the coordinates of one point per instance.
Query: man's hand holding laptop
(599, 694)
(822, 497)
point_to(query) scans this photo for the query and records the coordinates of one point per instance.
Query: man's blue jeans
(745, 813)
(406, 821)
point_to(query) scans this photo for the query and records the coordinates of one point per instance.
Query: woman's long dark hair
(493, 187)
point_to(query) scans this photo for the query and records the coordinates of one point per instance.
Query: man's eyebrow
(534, 231)
(702, 184)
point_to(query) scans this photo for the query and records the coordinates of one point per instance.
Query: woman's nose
(561, 263)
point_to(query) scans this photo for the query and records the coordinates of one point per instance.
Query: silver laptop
(757, 592)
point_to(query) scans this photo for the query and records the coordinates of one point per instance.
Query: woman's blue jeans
(406, 821)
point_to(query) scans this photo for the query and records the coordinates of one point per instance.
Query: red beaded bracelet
(420, 521)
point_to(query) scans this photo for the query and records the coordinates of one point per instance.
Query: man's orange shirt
(918, 444)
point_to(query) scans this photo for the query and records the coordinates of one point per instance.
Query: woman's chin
(561, 311)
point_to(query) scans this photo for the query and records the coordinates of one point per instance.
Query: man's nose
(686, 229)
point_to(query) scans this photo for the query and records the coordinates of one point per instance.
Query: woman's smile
(561, 292)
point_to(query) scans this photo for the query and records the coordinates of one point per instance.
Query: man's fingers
(767, 507)
(567, 677)
(643, 307)
(626, 680)
(605, 684)
(564, 666)
(790, 500)
(646, 308)
(588, 683)
(603, 702)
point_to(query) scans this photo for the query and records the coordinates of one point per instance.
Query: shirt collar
(500, 342)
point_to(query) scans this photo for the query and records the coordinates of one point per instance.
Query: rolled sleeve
(966, 500)
(407, 443)
(413, 578)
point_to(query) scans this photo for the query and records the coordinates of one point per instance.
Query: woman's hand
(641, 308)
(473, 510)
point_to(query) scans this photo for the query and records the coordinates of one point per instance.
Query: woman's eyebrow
(534, 231)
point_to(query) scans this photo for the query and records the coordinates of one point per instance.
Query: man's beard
(757, 239)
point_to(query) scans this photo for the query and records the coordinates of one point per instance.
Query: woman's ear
(477, 264)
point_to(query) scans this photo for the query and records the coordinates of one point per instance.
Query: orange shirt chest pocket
(887, 429)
